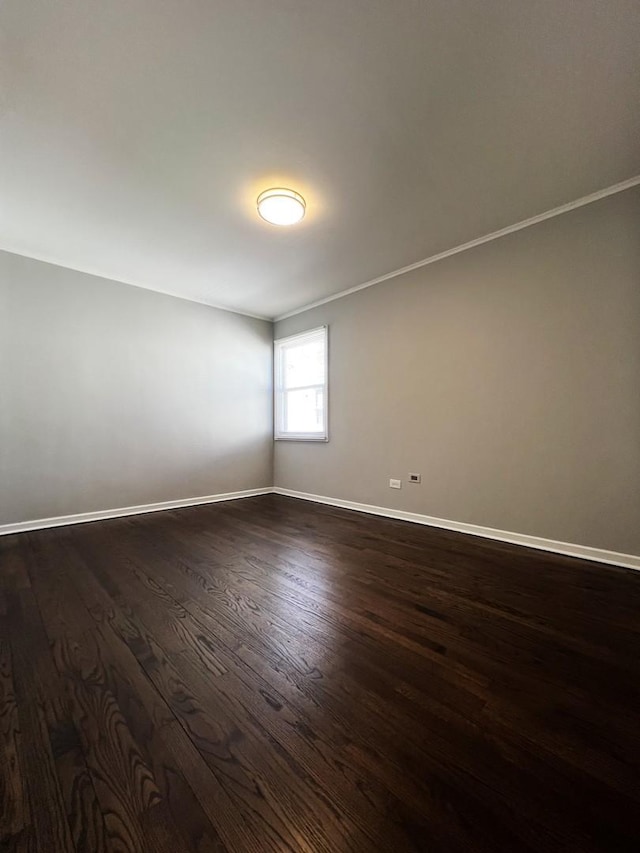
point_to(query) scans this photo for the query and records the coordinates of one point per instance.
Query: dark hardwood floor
(275, 675)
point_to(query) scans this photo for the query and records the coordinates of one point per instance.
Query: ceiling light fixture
(281, 207)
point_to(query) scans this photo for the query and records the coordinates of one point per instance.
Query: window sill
(322, 439)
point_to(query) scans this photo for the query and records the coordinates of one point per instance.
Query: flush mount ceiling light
(281, 207)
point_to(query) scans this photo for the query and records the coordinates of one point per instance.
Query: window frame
(279, 391)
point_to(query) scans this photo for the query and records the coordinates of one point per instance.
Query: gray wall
(508, 376)
(112, 396)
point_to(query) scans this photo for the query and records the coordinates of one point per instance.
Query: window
(300, 380)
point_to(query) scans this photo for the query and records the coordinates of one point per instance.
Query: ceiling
(135, 135)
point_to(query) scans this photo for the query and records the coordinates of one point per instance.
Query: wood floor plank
(194, 798)
(13, 800)
(91, 660)
(274, 675)
(49, 828)
(234, 744)
(372, 709)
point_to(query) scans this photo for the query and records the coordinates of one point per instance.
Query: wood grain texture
(274, 675)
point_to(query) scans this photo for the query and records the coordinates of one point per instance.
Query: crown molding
(479, 241)
(54, 263)
(432, 259)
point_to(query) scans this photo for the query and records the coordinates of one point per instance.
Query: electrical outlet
(395, 484)
(415, 478)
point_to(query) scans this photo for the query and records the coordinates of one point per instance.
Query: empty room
(320, 426)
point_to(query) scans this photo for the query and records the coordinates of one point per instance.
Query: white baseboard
(584, 552)
(101, 515)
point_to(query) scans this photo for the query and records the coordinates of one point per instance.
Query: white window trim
(279, 396)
